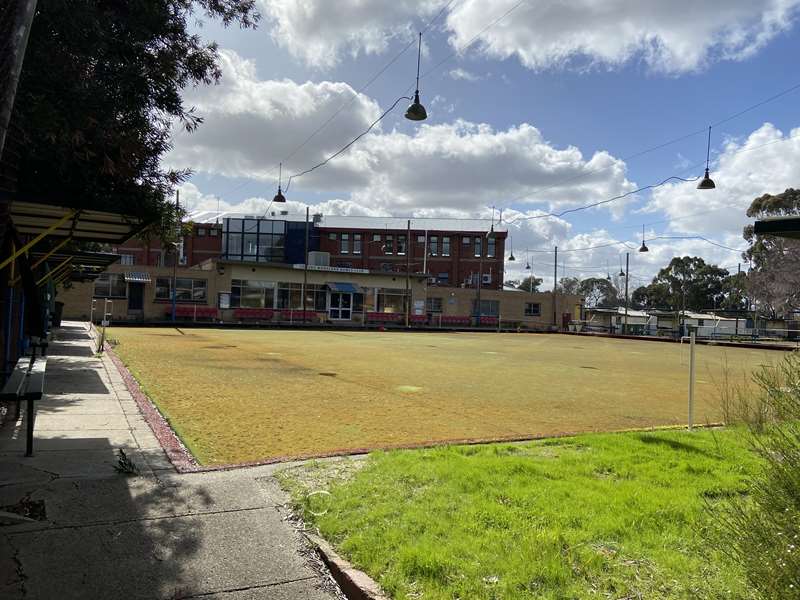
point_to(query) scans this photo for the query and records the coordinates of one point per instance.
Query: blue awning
(343, 287)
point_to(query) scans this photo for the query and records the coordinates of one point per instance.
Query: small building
(612, 320)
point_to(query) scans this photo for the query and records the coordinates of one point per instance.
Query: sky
(534, 108)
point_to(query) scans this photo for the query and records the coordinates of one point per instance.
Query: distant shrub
(762, 528)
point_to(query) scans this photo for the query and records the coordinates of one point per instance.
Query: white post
(692, 336)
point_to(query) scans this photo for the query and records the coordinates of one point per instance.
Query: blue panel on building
(295, 243)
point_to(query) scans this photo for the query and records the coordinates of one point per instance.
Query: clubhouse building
(327, 270)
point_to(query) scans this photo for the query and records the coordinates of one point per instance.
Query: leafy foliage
(99, 93)
(530, 284)
(598, 291)
(774, 278)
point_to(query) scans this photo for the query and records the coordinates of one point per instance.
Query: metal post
(408, 271)
(692, 336)
(305, 267)
(738, 297)
(20, 30)
(555, 281)
(478, 292)
(175, 259)
(627, 277)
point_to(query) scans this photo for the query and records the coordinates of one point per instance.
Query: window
(533, 309)
(445, 246)
(252, 294)
(434, 245)
(332, 237)
(290, 296)
(701, 322)
(489, 308)
(316, 297)
(391, 301)
(213, 232)
(127, 259)
(420, 239)
(253, 240)
(110, 285)
(443, 278)
(356, 243)
(344, 264)
(401, 244)
(478, 246)
(186, 290)
(344, 244)
(388, 247)
(386, 267)
(159, 260)
(491, 244)
(466, 241)
(201, 232)
(433, 305)
(376, 237)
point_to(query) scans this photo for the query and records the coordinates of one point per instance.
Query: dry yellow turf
(237, 396)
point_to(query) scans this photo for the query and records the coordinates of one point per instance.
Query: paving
(160, 534)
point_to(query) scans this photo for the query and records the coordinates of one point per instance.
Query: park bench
(262, 314)
(192, 311)
(26, 383)
(380, 317)
(419, 319)
(298, 315)
(453, 320)
(488, 321)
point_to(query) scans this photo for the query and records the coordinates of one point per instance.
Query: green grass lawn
(592, 516)
(245, 395)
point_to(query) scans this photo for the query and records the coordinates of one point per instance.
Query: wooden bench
(298, 315)
(26, 383)
(203, 312)
(262, 314)
(380, 317)
(453, 320)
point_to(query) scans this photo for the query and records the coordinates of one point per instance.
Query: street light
(644, 247)
(417, 112)
(707, 183)
(511, 246)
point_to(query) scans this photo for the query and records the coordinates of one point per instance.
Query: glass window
(434, 245)
(533, 309)
(701, 322)
(344, 245)
(316, 297)
(376, 237)
(126, 259)
(110, 285)
(388, 247)
(433, 305)
(443, 278)
(489, 308)
(420, 239)
(478, 246)
(445, 246)
(186, 290)
(356, 243)
(290, 296)
(332, 237)
(466, 240)
(401, 244)
(391, 300)
(252, 294)
(213, 232)
(201, 232)
(490, 247)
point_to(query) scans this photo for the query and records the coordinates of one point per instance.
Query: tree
(598, 291)
(654, 295)
(530, 284)
(774, 278)
(690, 283)
(99, 92)
(569, 285)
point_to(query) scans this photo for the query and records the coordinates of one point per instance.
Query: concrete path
(157, 535)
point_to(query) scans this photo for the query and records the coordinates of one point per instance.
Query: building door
(341, 305)
(135, 296)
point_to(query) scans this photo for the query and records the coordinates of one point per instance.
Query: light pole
(489, 234)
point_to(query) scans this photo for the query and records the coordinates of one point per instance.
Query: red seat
(453, 320)
(380, 317)
(299, 315)
(264, 314)
(206, 312)
(419, 319)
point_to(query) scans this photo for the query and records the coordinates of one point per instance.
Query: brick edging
(354, 584)
(178, 454)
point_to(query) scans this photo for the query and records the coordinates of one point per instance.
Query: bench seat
(263, 314)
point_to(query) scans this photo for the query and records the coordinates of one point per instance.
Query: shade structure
(343, 287)
(137, 277)
(786, 227)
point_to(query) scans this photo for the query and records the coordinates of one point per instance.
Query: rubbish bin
(58, 310)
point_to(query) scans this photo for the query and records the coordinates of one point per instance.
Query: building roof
(361, 222)
(788, 227)
(620, 310)
(33, 218)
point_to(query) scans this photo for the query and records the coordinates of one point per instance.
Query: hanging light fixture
(644, 247)
(707, 183)
(511, 246)
(279, 197)
(527, 260)
(417, 112)
(621, 272)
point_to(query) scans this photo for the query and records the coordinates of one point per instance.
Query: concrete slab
(79, 421)
(84, 405)
(305, 589)
(163, 558)
(72, 440)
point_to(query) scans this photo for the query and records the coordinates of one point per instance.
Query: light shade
(416, 112)
(621, 273)
(511, 258)
(279, 197)
(528, 267)
(706, 183)
(644, 248)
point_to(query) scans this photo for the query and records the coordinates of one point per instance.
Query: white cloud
(251, 125)
(463, 74)
(766, 162)
(669, 37)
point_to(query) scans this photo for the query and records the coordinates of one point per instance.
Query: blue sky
(589, 89)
